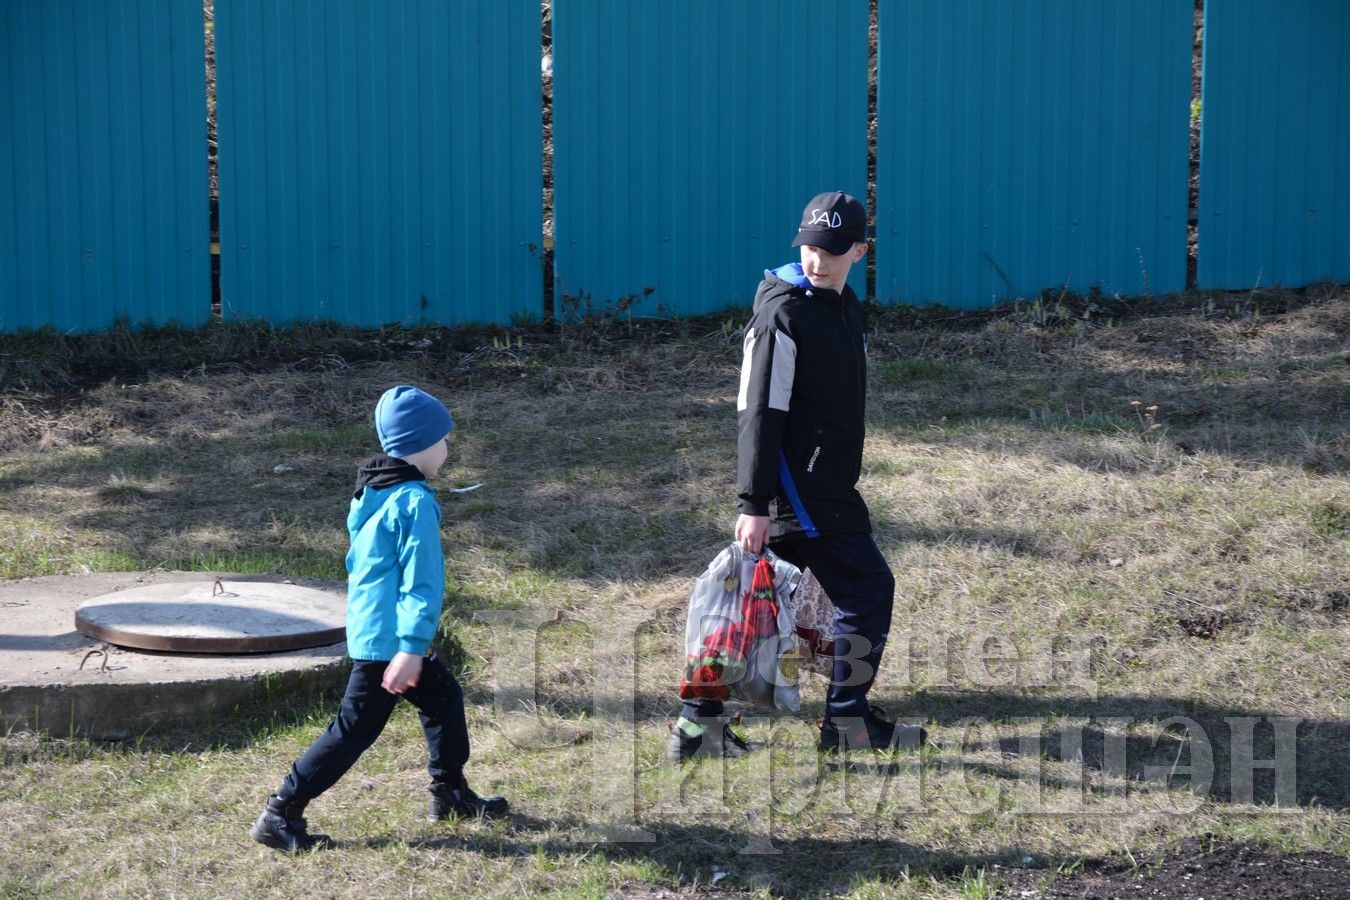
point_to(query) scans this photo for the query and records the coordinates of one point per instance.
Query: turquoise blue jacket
(395, 571)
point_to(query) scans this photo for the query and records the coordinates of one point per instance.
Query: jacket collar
(384, 471)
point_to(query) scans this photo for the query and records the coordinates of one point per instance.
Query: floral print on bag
(740, 639)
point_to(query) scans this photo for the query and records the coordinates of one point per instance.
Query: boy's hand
(402, 672)
(751, 532)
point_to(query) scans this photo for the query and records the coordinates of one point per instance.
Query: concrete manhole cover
(57, 680)
(215, 617)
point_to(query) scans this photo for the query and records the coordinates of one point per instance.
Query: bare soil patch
(1193, 871)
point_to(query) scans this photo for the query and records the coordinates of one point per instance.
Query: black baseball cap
(832, 221)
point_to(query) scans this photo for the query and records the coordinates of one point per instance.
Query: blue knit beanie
(408, 420)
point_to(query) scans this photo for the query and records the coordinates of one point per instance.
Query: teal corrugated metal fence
(379, 162)
(103, 179)
(688, 135)
(382, 162)
(1274, 145)
(1031, 144)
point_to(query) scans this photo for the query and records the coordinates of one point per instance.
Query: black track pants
(364, 712)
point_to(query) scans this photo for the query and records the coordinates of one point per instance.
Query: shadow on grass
(871, 846)
(604, 508)
(1056, 404)
(1112, 760)
(1239, 756)
(687, 854)
(191, 497)
(1017, 542)
(1112, 747)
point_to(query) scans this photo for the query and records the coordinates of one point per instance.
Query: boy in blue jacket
(395, 585)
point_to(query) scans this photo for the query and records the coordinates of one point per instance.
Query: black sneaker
(282, 826)
(460, 802)
(873, 731)
(716, 740)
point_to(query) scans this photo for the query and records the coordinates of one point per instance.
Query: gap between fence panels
(873, 34)
(546, 135)
(1193, 172)
(212, 161)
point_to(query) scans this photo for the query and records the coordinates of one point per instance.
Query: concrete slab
(57, 680)
(218, 616)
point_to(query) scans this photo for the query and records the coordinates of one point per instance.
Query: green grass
(1018, 495)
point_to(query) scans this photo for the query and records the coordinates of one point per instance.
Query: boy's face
(827, 271)
(430, 460)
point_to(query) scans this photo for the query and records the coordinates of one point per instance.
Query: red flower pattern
(727, 649)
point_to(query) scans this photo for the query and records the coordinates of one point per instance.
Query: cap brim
(831, 242)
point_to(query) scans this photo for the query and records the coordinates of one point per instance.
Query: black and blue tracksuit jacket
(800, 409)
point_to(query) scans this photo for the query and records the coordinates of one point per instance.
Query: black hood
(384, 471)
(789, 280)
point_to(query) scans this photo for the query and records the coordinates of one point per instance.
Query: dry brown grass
(1016, 491)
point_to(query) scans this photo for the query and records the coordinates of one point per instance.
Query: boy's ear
(859, 250)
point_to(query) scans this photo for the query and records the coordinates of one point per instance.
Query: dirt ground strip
(1193, 872)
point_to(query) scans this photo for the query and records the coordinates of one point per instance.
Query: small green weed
(121, 491)
(977, 885)
(1331, 519)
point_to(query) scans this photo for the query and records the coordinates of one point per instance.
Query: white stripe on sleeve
(784, 370)
(746, 362)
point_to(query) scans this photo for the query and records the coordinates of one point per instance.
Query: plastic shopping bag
(740, 639)
(815, 616)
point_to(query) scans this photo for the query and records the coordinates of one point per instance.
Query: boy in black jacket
(798, 458)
